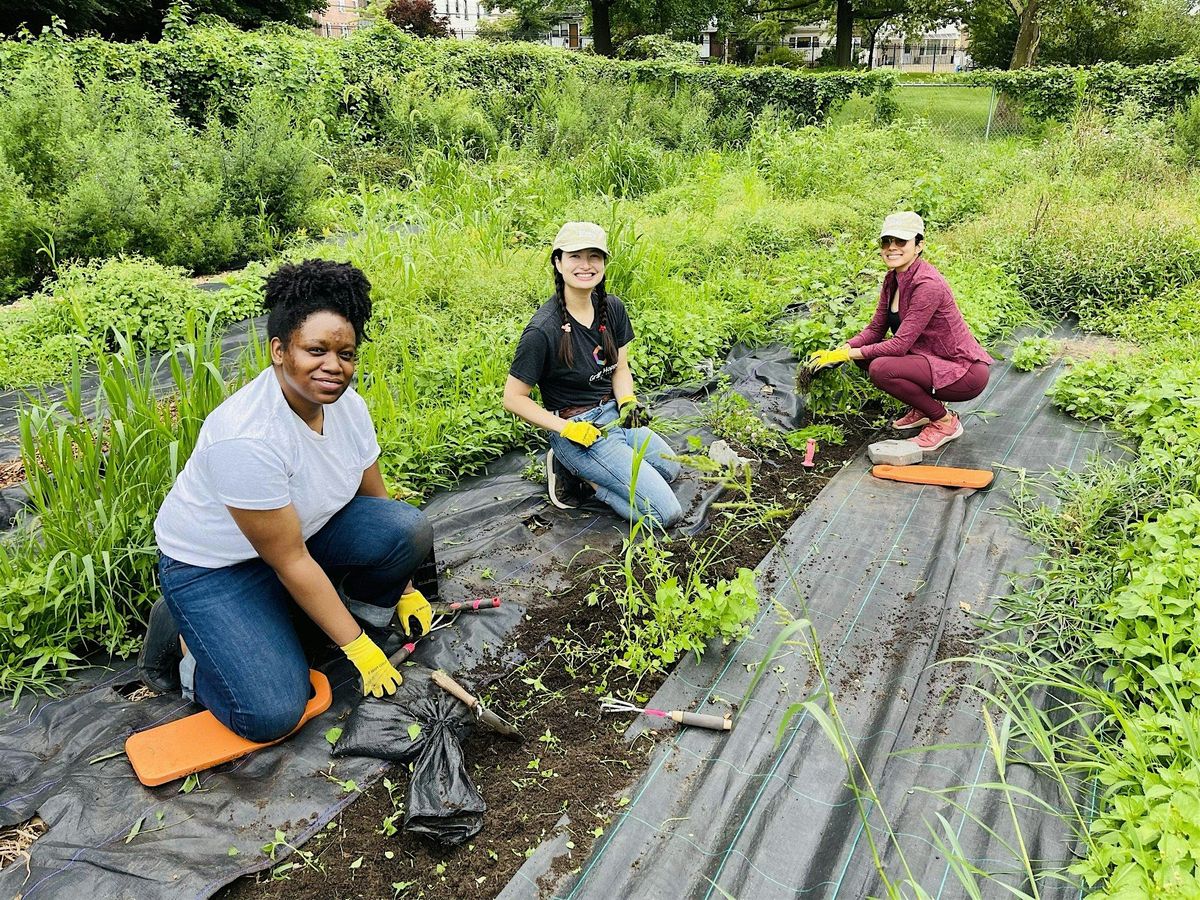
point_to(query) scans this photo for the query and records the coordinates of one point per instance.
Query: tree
(417, 18)
(135, 19)
(625, 19)
(523, 20)
(1019, 33)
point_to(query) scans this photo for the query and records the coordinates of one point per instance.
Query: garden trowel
(484, 716)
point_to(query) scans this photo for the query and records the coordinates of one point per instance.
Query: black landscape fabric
(891, 575)
(60, 758)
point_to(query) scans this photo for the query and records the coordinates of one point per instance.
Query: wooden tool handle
(699, 720)
(402, 654)
(446, 683)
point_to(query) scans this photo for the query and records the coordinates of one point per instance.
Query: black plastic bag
(442, 800)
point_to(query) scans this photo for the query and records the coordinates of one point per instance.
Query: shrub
(1185, 130)
(658, 46)
(19, 238)
(270, 171)
(1085, 262)
(780, 56)
(109, 168)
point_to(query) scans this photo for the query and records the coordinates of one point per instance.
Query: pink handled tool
(698, 720)
(810, 450)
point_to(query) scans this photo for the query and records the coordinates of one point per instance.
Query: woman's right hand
(822, 359)
(379, 676)
(582, 433)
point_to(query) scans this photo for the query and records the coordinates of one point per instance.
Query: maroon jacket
(930, 325)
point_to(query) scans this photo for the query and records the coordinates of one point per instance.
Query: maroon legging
(910, 380)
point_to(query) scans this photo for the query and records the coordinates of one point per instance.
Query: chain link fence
(964, 111)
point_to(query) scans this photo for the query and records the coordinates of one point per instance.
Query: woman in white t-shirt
(281, 500)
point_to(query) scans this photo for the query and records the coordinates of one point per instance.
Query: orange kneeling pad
(199, 742)
(946, 476)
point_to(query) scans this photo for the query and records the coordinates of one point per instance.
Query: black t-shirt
(893, 322)
(589, 380)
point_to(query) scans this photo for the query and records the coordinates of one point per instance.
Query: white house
(567, 32)
(341, 17)
(464, 15)
(942, 50)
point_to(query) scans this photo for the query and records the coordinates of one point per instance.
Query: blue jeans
(609, 465)
(251, 670)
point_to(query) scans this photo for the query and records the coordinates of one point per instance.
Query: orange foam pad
(945, 476)
(199, 742)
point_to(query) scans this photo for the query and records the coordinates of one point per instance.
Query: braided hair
(566, 352)
(297, 290)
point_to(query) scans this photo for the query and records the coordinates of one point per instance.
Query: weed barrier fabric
(891, 576)
(60, 758)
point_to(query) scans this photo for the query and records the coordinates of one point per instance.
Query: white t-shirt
(254, 452)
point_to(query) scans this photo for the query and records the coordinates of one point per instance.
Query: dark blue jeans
(251, 667)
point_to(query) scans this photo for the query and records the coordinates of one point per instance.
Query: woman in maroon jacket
(931, 355)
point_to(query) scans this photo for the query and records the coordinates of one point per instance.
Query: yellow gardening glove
(582, 433)
(822, 359)
(379, 676)
(413, 605)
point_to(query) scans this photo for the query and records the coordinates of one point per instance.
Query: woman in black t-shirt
(574, 350)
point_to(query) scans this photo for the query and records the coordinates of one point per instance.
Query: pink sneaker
(911, 419)
(934, 435)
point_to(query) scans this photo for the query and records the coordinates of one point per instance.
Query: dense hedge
(203, 68)
(1056, 92)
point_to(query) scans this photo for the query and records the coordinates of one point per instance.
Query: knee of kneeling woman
(665, 513)
(266, 725)
(411, 530)
(422, 535)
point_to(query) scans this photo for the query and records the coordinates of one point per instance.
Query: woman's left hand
(633, 414)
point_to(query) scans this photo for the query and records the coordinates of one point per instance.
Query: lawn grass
(958, 110)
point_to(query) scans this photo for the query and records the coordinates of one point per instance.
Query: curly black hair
(297, 290)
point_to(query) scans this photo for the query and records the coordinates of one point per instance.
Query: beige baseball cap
(579, 236)
(905, 225)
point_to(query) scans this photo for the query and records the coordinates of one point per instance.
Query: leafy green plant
(1096, 388)
(666, 616)
(87, 573)
(1031, 353)
(734, 418)
(822, 434)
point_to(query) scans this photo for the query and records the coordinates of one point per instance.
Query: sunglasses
(889, 241)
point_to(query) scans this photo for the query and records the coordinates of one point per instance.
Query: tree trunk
(1028, 38)
(871, 48)
(845, 33)
(601, 28)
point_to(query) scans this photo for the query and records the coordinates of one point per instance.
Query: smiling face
(581, 269)
(316, 365)
(898, 253)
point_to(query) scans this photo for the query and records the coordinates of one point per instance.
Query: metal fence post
(987, 131)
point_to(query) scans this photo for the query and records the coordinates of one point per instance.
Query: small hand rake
(680, 717)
